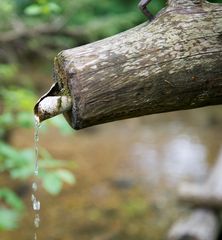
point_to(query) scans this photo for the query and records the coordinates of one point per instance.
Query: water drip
(35, 202)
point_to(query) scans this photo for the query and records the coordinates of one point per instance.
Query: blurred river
(127, 176)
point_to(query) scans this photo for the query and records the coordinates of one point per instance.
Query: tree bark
(202, 224)
(172, 63)
(208, 194)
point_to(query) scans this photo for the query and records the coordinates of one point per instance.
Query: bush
(19, 163)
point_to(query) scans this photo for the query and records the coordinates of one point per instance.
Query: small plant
(19, 164)
(12, 209)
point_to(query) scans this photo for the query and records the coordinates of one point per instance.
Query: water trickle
(34, 186)
(36, 205)
(36, 141)
(35, 201)
(37, 220)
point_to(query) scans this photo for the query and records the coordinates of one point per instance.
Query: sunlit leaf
(11, 199)
(18, 99)
(54, 8)
(33, 10)
(6, 119)
(45, 154)
(25, 119)
(7, 151)
(66, 176)
(9, 218)
(21, 173)
(7, 71)
(52, 163)
(52, 183)
(27, 153)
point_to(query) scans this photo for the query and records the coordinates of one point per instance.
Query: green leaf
(52, 163)
(18, 163)
(66, 176)
(7, 71)
(27, 156)
(11, 199)
(7, 151)
(54, 8)
(52, 183)
(18, 99)
(60, 122)
(33, 10)
(9, 218)
(25, 119)
(6, 119)
(21, 173)
(45, 154)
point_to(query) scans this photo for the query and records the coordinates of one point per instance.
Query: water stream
(35, 201)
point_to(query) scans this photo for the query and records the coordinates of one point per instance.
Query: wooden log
(209, 193)
(172, 63)
(201, 224)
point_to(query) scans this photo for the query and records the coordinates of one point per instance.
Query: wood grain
(172, 63)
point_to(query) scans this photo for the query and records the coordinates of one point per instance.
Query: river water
(127, 175)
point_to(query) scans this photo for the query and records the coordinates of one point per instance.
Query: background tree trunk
(172, 63)
(201, 224)
(206, 194)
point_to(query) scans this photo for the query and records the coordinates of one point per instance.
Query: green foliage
(11, 199)
(18, 104)
(7, 71)
(18, 99)
(101, 19)
(7, 12)
(19, 163)
(9, 218)
(42, 8)
(11, 212)
(53, 181)
(90, 19)
(53, 174)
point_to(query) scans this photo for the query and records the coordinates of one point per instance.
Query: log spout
(172, 63)
(52, 104)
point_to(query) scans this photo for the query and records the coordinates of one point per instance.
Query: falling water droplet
(33, 197)
(36, 172)
(34, 186)
(36, 205)
(37, 220)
